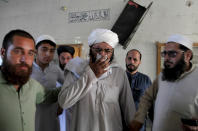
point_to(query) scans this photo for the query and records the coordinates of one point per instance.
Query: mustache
(166, 62)
(130, 65)
(22, 64)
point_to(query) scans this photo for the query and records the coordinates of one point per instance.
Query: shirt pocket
(109, 93)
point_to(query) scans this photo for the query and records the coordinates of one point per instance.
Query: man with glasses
(47, 74)
(97, 92)
(174, 93)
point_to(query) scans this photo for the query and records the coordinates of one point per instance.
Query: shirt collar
(2, 80)
(38, 67)
(188, 72)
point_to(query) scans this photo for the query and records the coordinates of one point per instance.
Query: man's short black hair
(65, 48)
(8, 39)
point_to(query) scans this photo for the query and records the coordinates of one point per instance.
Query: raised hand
(98, 67)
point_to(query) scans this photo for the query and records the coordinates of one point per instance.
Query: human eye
(31, 53)
(129, 58)
(107, 50)
(172, 53)
(44, 49)
(63, 58)
(52, 50)
(98, 49)
(17, 51)
(163, 53)
(135, 59)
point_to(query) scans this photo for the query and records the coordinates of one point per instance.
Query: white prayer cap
(103, 35)
(45, 37)
(181, 40)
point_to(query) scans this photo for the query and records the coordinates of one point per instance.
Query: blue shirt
(138, 83)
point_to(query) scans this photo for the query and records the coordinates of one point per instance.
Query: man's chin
(168, 66)
(45, 62)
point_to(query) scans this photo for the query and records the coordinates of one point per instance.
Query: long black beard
(12, 76)
(131, 70)
(172, 74)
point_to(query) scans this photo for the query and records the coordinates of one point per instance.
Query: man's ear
(188, 55)
(3, 52)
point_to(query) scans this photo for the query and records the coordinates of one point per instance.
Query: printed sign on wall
(86, 16)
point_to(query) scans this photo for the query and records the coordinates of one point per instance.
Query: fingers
(99, 66)
(104, 65)
(103, 62)
(190, 128)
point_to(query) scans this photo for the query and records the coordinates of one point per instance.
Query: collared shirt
(49, 76)
(97, 104)
(139, 83)
(17, 110)
(46, 114)
(173, 101)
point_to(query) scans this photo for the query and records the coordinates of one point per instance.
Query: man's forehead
(133, 53)
(102, 44)
(65, 54)
(172, 45)
(47, 45)
(22, 42)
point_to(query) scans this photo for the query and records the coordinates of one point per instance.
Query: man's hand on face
(190, 128)
(98, 67)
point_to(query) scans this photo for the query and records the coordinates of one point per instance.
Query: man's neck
(132, 73)
(189, 66)
(41, 65)
(17, 87)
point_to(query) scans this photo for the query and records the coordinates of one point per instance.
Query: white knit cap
(103, 35)
(181, 40)
(45, 37)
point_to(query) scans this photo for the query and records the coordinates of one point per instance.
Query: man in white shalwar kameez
(97, 93)
(174, 92)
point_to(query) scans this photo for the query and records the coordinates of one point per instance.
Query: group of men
(97, 93)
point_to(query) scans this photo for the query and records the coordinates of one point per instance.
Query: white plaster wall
(45, 17)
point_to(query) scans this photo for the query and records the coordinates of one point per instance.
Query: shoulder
(34, 84)
(76, 65)
(54, 68)
(118, 71)
(143, 75)
(193, 72)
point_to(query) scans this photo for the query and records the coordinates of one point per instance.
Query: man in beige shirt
(174, 93)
